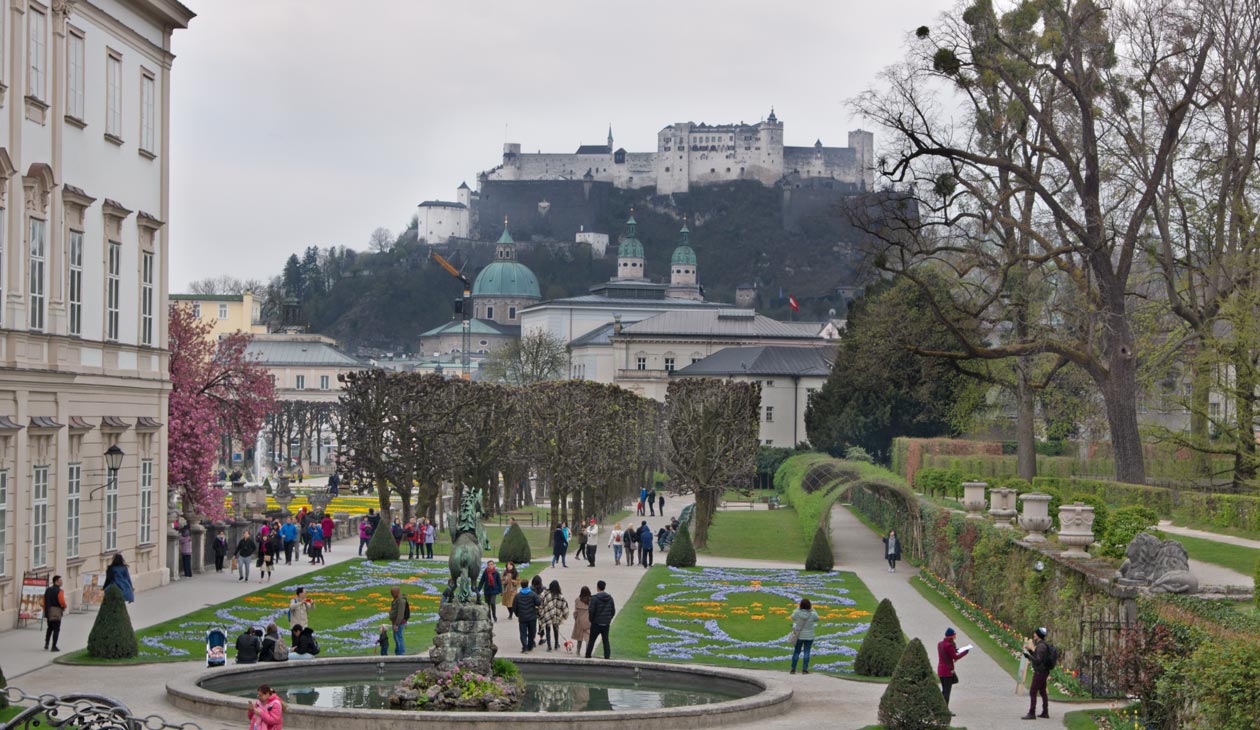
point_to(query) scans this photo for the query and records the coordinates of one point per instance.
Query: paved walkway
(1170, 528)
(1210, 574)
(23, 648)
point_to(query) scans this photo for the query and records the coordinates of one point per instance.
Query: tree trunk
(706, 506)
(1245, 410)
(1200, 427)
(1119, 389)
(1025, 437)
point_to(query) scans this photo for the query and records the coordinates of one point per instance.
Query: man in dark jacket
(602, 610)
(399, 613)
(1039, 658)
(645, 545)
(558, 547)
(526, 608)
(248, 646)
(630, 540)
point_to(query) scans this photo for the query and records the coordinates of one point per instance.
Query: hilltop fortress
(564, 196)
(698, 154)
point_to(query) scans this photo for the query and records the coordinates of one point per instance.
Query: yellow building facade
(227, 313)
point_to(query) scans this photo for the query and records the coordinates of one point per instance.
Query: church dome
(684, 255)
(630, 246)
(506, 279)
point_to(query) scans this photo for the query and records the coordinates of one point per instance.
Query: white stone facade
(84, 196)
(699, 154)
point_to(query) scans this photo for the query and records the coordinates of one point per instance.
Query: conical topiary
(682, 554)
(4, 699)
(112, 636)
(382, 545)
(913, 700)
(514, 546)
(883, 645)
(820, 556)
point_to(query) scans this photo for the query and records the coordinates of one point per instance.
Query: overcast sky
(312, 122)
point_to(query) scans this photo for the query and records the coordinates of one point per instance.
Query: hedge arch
(904, 502)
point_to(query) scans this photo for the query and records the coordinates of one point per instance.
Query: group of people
(540, 612)
(650, 500)
(281, 537)
(419, 535)
(1041, 656)
(266, 645)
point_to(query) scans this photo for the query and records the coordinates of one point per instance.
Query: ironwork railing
(80, 712)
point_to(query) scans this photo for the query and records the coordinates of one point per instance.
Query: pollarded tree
(536, 356)
(712, 430)
(216, 389)
(365, 438)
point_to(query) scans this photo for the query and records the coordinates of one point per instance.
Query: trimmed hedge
(913, 699)
(811, 483)
(1229, 511)
(382, 545)
(112, 636)
(515, 547)
(682, 554)
(883, 644)
(820, 555)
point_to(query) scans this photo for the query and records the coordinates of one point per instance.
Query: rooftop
(597, 336)
(206, 297)
(723, 322)
(764, 360)
(441, 204)
(475, 327)
(299, 350)
(596, 301)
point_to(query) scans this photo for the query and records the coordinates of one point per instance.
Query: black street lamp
(113, 459)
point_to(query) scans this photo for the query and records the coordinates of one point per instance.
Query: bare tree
(381, 240)
(712, 430)
(537, 356)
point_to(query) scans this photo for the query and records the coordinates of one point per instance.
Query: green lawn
(740, 617)
(351, 602)
(752, 495)
(757, 535)
(1234, 557)
(1123, 717)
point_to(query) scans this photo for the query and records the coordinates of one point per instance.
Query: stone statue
(1163, 566)
(469, 540)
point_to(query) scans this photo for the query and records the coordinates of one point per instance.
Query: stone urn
(973, 499)
(1036, 516)
(1076, 529)
(284, 496)
(1002, 506)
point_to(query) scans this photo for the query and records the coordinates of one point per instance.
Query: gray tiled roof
(719, 323)
(441, 204)
(596, 300)
(597, 336)
(299, 352)
(764, 360)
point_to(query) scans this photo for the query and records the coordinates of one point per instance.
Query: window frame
(76, 74)
(74, 282)
(223, 312)
(4, 519)
(299, 382)
(36, 53)
(37, 268)
(113, 291)
(640, 362)
(39, 516)
(146, 502)
(148, 110)
(113, 94)
(74, 503)
(147, 322)
(325, 382)
(196, 309)
(669, 364)
(769, 414)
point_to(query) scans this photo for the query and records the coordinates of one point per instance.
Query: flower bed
(741, 617)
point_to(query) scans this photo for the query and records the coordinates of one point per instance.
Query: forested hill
(384, 300)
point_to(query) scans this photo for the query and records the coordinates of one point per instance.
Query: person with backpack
(526, 605)
(615, 542)
(645, 545)
(630, 539)
(399, 614)
(946, 654)
(1043, 657)
(245, 549)
(273, 647)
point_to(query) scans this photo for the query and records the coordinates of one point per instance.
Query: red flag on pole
(796, 307)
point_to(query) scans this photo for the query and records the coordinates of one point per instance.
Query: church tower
(630, 253)
(682, 269)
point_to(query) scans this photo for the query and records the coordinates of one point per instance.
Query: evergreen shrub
(883, 644)
(913, 699)
(820, 556)
(682, 554)
(514, 546)
(112, 636)
(1123, 525)
(382, 545)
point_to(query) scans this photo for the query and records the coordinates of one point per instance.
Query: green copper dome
(630, 246)
(506, 279)
(684, 255)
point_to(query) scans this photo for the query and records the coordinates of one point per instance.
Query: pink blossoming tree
(216, 390)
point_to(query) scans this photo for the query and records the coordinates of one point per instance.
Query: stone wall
(573, 205)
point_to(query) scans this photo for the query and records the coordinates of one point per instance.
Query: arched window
(489, 312)
(511, 312)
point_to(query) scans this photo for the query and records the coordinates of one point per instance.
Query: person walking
(555, 609)
(289, 536)
(651, 501)
(430, 534)
(399, 613)
(631, 540)
(490, 585)
(267, 712)
(642, 498)
(275, 546)
(892, 550)
(660, 503)
(804, 618)
(365, 532)
(1041, 657)
(947, 653)
(581, 619)
(601, 612)
(304, 530)
(511, 584)
(614, 542)
(592, 541)
(220, 548)
(581, 549)
(559, 547)
(118, 575)
(645, 545)
(526, 606)
(299, 608)
(54, 609)
(244, 554)
(185, 552)
(317, 543)
(328, 527)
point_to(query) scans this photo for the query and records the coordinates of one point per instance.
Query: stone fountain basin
(767, 697)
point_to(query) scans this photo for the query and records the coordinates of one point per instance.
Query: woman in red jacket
(947, 654)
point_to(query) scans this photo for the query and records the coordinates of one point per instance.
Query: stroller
(216, 648)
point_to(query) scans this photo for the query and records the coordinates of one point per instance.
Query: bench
(522, 517)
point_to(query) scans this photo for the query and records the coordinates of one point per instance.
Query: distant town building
(303, 366)
(698, 154)
(438, 221)
(227, 313)
(788, 375)
(85, 160)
